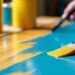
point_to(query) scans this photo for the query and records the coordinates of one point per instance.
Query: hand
(68, 9)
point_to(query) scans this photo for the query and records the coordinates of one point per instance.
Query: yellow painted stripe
(20, 73)
(17, 59)
(14, 50)
(16, 47)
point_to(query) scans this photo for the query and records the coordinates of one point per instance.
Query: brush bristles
(66, 50)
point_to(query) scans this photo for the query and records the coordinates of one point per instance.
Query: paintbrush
(63, 51)
(58, 24)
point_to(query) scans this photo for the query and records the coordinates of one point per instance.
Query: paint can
(7, 14)
(23, 14)
(0, 16)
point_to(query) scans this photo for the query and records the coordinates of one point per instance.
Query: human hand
(68, 10)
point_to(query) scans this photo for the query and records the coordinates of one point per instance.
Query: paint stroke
(20, 58)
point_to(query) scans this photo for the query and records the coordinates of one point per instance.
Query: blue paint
(52, 66)
(7, 15)
(61, 36)
(20, 67)
(44, 64)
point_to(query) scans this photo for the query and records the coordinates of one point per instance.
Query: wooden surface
(48, 22)
(25, 53)
(11, 46)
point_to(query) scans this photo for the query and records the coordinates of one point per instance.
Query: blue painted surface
(44, 64)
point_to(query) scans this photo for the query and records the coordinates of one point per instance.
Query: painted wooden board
(25, 53)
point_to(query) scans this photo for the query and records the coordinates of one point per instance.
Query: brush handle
(59, 23)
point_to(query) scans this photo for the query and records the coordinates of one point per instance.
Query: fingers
(69, 8)
(72, 17)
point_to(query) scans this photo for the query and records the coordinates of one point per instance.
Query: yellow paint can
(24, 14)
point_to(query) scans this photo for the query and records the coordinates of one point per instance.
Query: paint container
(1, 16)
(23, 14)
(7, 14)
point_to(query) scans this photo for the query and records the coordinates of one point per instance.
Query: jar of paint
(24, 14)
(7, 14)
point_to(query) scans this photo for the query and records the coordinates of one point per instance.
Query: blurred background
(50, 7)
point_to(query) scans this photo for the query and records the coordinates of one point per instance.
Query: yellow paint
(17, 59)
(10, 47)
(19, 73)
(14, 50)
(24, 36)
(66, 50)
(1, 16)
(23, 12)
(30, 35)
(12, 41)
